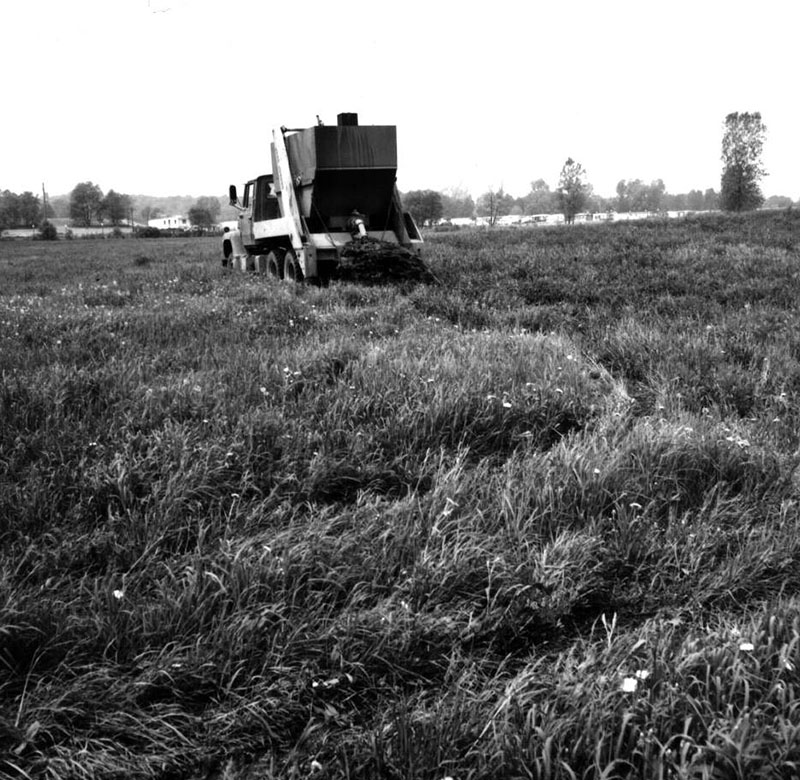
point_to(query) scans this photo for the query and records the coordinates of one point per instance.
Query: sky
(179, 97)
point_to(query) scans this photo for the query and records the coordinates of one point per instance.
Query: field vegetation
(539, 521)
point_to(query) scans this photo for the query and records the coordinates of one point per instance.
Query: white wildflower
(629, 684)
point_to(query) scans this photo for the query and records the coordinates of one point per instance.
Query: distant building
(170, 223)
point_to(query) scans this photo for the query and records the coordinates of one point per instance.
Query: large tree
(116, 207)
(424, 205)
(742, 144)
(19, 211)
(494, 204)
(457, 202)
(9, 209)
(540, 200)
(573, 190)
(694, 200)
(211, 205)
(85, 203)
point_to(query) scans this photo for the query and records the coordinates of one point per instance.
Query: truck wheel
(275, 264)
(291, 268)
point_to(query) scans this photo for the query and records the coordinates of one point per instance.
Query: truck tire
(291, 268)
(275, 264)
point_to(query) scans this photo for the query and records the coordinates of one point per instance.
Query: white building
(170, 223)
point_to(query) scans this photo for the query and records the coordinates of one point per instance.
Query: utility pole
(44, 204)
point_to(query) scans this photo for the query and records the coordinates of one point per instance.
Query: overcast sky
(168, 97)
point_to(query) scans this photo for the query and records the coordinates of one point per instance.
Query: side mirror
(234, 198)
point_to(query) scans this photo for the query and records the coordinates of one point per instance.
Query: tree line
(742, 145)
(86, 206)
(22, 210)
(572, 197)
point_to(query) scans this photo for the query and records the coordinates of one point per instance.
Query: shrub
(48, 232)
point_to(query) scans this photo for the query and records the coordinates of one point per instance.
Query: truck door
(246, 216)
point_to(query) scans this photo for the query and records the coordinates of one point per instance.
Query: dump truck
(330, 209)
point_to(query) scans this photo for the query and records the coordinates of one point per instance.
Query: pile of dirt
(369, 261)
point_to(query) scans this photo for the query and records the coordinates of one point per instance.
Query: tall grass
(539, 521)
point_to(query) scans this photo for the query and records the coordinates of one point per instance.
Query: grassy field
(540, 521)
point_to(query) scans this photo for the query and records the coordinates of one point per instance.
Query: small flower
(747, 646)
(629, 685)
(595, 471)
(316, 767)
(506, 404)
(118, 594)
(450, 505)
(642, 674)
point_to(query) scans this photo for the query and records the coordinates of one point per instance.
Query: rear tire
(275, 264)
(291, 268)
